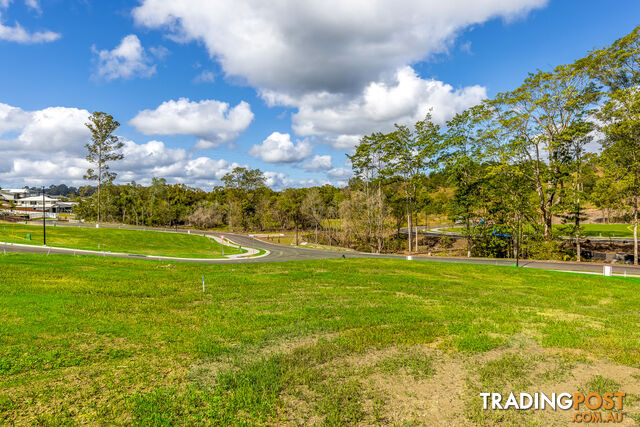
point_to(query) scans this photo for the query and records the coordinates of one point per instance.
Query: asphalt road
(282, 253)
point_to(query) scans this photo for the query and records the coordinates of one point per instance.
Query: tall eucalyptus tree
(534, 117)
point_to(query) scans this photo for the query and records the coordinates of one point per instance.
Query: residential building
(51, 204)
(14, 194)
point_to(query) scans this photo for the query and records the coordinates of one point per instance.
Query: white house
(13, 194)
(51, 204)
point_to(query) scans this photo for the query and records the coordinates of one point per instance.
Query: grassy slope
(115, 240)
(608, 230)
(589, 230)
(93, 339)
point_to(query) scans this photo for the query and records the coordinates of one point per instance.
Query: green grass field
(102, 341)
(117, 240)
(608, 230)
(287, 239)
(589, 230)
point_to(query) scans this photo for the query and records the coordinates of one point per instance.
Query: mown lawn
(588, 230)
(117, 240)
(102, 341)
(608, 230)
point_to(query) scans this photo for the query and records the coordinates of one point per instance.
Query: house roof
(14, 190)
(38, 199)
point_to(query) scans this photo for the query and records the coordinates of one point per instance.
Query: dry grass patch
(537, 370)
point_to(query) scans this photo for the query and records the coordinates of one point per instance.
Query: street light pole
(44, 222)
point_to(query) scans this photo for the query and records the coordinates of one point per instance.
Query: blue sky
(287, 89)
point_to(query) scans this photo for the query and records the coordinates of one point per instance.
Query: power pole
(44, 222)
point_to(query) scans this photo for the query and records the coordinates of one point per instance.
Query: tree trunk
(543, 206)
(578, 248)
(296, 225)
(416, 245)
(518, 243)
(409, 227)
(410, 218)
(547, 225)
(578, 210)
(635, 232)
(468, 238)
(380, 236)
(99, 182)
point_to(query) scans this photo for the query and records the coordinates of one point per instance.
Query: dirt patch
(361, 362)
(577, 380)
(298, 410)
(544, 370)
(447, 393)
(393, 389)
(433, 401)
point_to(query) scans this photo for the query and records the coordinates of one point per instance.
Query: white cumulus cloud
(56, 129)
(212, 121)
(48, 130)
(277, 180)
(346, 66)
(128, 60)
(338, 46)
(404, 99)
(48, 146)
(278, 148)
(206, 168)
(12, 118)
(318, 163)
(56, 169)
(153, 154)
(340, 173)
(18, 34)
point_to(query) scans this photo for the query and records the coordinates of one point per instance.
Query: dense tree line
(243, 203)
(524, 158)
(504, 170)
(60, 190)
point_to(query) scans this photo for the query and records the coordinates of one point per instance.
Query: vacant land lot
(117, 240)
(93, 340)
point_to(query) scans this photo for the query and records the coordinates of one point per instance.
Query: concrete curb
(128, 255)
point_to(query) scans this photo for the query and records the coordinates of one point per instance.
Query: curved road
(281, 253)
